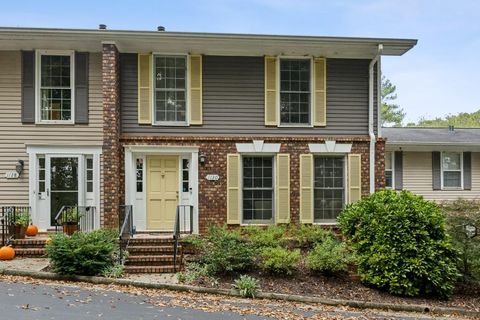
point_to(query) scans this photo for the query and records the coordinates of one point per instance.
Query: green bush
(462, 215)
(280, 260)
(114, 271)
(401, 244)
(309, 235)
(83, 253)
(272, 236)
(247, 286)
(226, 251)
(329, 256)
(195, 272)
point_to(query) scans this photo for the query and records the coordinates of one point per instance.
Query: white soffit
(330, 147)
(258, 146)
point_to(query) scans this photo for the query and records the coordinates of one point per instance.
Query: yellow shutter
(354, 177)
(195, 89)
(282, 191)
(320, 92)
(270, 91)
(145, 88)
(233, 188)
(306, 188)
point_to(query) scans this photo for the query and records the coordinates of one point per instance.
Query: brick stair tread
(151, 248)
(30, 251)
(149, 269)
(152, 258)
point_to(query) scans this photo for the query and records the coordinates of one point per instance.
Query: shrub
(225, 251)
(462, 215)
(401, 244)
(83, 253)
(272, 236)
(308, 235)
(247, 286)
(329, 256)
(195, 272)
(114, 271)
(195, 242)
(280, 260)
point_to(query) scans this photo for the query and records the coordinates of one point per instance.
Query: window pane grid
(294, 91)
(257, 189)
(170, 89)
(329, 188)
(55, 88)
(452, 169)
(89, 172)
(139, 174)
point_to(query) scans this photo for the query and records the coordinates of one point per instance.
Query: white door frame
(64, 151)
(132, 152)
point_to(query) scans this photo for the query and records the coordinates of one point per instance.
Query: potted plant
(70, 220)
(19, 225)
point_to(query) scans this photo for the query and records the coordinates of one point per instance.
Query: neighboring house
(438, 163)
(248, 129)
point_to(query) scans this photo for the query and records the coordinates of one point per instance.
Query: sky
(441, 75)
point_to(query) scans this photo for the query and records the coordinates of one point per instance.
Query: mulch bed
(342, 286)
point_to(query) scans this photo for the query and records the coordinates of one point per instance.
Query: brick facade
(111, 134)
(212, 194)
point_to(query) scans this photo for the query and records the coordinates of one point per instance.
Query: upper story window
(452, 170)
(389, 170)
(295, 91)
(55, 87)
(170, 90)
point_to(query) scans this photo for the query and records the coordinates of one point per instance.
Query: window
(170, 89)
(89, 173)
(389, 170)
(329, 187)
(139, 174)
(452, 169)
(41, 174)
(185, 175)
(55, 87)
(295, 91)
(257, 189)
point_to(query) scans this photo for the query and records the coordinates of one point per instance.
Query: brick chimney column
(111, 135)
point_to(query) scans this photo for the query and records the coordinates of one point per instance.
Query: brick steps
(30, 252)
(150, 250)
(151, 260)
(151, 269)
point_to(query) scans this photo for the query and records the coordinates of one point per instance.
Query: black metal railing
(9, 217)
(126, 229)
(75, 218)
(183, 225)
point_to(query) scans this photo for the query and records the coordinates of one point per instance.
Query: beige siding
(14, 135)
(417, 177)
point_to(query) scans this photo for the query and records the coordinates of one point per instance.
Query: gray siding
(233, 100)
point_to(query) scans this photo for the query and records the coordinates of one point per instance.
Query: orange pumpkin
(32, 230)
(7, 253)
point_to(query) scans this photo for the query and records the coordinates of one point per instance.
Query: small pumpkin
(32, 230)
(48, 241)
(7, 253)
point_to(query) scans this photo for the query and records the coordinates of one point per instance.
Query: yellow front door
(162, 192)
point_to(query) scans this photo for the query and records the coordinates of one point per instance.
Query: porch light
(202, 158)
(19, 167)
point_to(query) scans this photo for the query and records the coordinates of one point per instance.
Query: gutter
(371, 131)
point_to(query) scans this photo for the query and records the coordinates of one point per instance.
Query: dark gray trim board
(436, 170)
(81, 87)
(398, 170)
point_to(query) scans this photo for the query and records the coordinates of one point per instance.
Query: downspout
(371, 131)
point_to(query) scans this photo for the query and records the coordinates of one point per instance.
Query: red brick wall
(111, 134)
(212, 194)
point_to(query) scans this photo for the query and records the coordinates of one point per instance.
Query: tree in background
(461, 120)
(391, 113)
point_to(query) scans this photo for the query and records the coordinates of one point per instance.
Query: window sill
(295, 126)
(320, 223)
(55, 123)
(452, 189)
(170, 124)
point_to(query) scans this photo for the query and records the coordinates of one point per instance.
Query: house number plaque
(213, 177)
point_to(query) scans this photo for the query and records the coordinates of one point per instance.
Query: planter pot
(70, 227)
(19, 231)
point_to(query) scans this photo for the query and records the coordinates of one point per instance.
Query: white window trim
(258, 147)
(38, 55)
(345, 186)
(278, 78)
(392, 161)
(185, 123)
(274, 168)
(442, 171)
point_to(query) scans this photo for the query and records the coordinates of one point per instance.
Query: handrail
(7, 220)
(81, 216)
(177, 229)
(126, 229)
